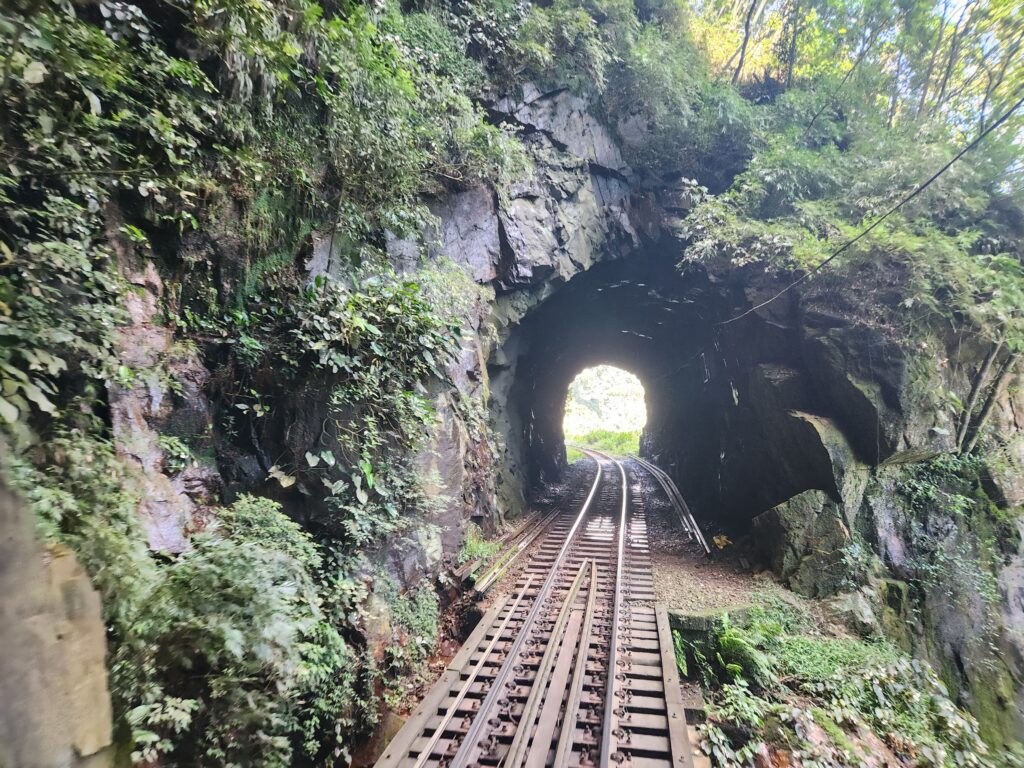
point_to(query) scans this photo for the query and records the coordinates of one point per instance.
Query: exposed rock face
(171, 503)
(785, 417)
(56, 710)
(795, 417)
(804, 540)
(468, 232)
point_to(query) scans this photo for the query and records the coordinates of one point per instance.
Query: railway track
(573, 666)
(668, 486)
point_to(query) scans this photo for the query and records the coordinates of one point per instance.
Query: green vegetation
(614, 443)
(415, 616)
(194, 156)
(604, 397)
(476, 547)
(890, 94)
(604, 410)
(251, 607)
(128, 133)
(948, 489)
(772, 675)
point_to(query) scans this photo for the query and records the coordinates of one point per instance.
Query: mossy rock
(894, 607)
(705, 621)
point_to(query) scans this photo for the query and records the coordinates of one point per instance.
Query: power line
(849, 243)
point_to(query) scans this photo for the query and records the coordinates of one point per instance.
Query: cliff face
(56, 709)
(491, 257)
(808, 421)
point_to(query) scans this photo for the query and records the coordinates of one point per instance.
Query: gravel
(687, 580)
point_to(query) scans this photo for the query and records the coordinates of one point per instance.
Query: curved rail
(676, 498)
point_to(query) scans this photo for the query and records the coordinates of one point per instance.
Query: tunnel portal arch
(734, 413)
(636, 313)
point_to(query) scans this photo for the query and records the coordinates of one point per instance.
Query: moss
(989, 692)
(955, 579)
(451, 290)
(894, 600)
(263, 268)
(831, 727)
(800, 677)
(274, 229)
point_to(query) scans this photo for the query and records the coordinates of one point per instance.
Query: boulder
(804, 540)
(856, 610)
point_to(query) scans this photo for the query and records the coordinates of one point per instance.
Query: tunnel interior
(737, 414)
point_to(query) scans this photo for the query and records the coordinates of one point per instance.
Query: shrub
(769, 680)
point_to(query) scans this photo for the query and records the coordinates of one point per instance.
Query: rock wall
(795, 420)
(915, 552)
(55, 711)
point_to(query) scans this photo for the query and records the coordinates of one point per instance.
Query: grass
(791, 637)
(816, 659)
(614, 443)
(476, 547)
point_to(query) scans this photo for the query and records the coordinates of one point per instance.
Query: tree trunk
(1005, 371)
(994, 83)
(976, 390)
(746, 40)
(791, 59)
(931, 63)
(865, 47)
(954, 51)
(894, 97)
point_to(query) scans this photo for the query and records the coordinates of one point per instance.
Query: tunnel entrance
(605, 409)
(742, 415)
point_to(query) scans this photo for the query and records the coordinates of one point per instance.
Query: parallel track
(572, 667)
(690, 527)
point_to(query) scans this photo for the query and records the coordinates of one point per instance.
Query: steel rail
(497, 569)
(472, 738)
(572, 707)
(675, 498)
(534, 686)
(429, 748)
(524, 729)
(610, 716)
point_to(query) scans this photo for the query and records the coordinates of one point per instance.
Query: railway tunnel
(743, 416)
